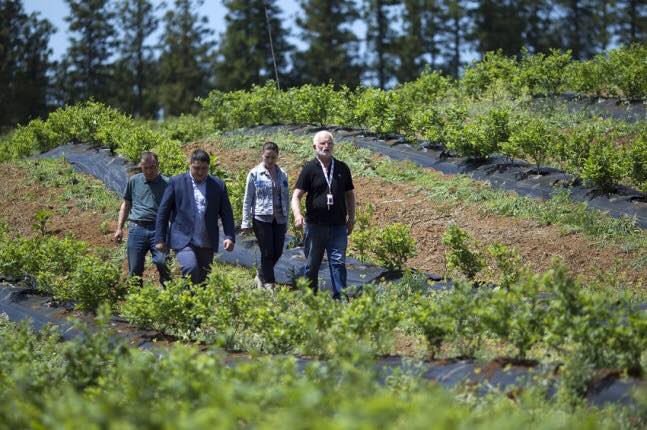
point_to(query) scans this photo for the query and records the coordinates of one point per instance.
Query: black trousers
(270, 236)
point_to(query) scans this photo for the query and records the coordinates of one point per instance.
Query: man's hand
(161, 247)
(298, 221)
(119, 235)
(350, 224)
(228, 244)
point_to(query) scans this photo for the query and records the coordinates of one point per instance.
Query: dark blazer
(178, 207)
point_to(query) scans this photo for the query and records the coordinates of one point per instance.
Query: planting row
(93, 381)
(546, 317)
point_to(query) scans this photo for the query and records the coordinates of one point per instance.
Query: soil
(393, 202)
(23, 196)
(399, 202)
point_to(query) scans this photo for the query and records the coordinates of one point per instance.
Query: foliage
(532, 138)
(492, 68)
(24, 74)
(479, 137)
(393, 245)
(541, 74)
(40, 220)
(236, 191)
(185, 59)
(460, 254)
(361, 237)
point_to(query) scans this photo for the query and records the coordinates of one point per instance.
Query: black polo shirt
(313, 182)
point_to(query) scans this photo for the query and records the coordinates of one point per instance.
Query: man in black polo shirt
(142, 198)
(330, 212)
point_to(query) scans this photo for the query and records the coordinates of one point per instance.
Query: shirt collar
(195, 181)
(154, 181)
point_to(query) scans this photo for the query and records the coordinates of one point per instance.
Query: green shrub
(628, 71)
(460, 255)
(492, 68)
(171, 157)
(508, 263)
(185, 128)
(236, 191)
(638, 160)
(393, 245)
(480, 137)
(541, 74)
(140, 138)
(317, 104)
(360, 239)
(605, 165)
(530, 137)
(92, 283)
(434, 325)
(590, 77)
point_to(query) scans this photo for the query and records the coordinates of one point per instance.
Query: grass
(85, 192)
(560, 210)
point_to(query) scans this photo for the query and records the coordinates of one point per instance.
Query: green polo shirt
(144, 197)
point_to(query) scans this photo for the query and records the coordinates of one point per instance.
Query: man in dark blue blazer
(192, 203)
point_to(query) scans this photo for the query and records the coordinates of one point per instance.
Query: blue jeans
(195, 262)
(141, 239)
(333, 239)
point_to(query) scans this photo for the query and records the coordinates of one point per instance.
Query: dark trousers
(195, 262)
(270, 236)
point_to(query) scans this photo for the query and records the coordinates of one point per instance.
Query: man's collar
(157, 178)
(195, 181)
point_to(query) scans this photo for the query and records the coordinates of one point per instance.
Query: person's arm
(124, 210)
(296, 207)
(227, 217)
(350, 207)
(163, 215)
(248, 202)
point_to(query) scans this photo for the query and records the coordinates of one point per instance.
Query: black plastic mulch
(96, 161)
(20, 303)
(113, 171)
(502, 173)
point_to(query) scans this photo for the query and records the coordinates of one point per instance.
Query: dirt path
(404, 203)
(537, 244)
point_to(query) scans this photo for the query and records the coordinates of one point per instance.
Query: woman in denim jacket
(265, 210)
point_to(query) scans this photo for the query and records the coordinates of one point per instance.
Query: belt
(143, 223)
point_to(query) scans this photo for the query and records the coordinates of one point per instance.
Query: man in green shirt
(142, 197)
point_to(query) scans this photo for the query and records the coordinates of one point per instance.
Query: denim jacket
(258, 194)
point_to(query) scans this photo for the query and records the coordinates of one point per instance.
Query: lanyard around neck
(330, 172)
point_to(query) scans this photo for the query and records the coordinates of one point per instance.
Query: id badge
(329, 200)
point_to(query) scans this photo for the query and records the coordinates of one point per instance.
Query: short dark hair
(148, 154)
(271, 146)
(200, 155)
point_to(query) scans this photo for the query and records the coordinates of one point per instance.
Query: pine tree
(632, 21)
(135, 69)
(86, 68)
(24, 63)
(186, 59)
(498, 25)
(417, 47)
(455, 34)
(381, 39)
(331, 54)
(577, 26)
(539, 34)
(245, 49)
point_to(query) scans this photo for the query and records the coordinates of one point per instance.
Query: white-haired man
(330, 212)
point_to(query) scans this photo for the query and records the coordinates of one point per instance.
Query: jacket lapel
(189, 189)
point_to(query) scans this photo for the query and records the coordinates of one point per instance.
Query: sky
(56, 10)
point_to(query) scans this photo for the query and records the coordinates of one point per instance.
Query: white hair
(321, 135)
